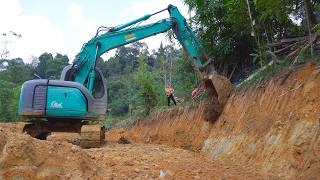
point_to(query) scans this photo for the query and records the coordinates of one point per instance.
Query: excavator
(78, 101)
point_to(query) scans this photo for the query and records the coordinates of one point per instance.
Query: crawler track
(92, 136)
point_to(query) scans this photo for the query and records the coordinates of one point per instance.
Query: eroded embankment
(182, 127)
(273, 126)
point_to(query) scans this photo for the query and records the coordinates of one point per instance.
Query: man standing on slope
(169, 91)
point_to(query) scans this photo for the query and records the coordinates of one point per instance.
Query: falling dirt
(268, 131)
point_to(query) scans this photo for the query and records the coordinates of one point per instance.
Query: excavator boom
(218, 87)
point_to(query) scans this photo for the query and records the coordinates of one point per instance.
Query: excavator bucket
(218, 87)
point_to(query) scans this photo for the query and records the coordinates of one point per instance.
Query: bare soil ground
(23, 157)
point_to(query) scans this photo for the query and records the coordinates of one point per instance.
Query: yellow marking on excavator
(130, 36)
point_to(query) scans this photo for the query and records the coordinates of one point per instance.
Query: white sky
(64, 25)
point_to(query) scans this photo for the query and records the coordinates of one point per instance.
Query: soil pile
(22, 156)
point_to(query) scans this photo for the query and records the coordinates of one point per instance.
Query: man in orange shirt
(169, 91)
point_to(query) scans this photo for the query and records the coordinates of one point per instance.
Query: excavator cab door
(99, 87)
(98, 105)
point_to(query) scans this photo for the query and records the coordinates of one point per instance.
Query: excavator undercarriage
(91, 136)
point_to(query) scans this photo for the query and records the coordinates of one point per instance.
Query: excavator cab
(99, 88)
(64, 98)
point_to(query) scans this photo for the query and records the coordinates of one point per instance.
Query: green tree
(50, 67)
(225, 28)
(147, 90)
(9, 97)
(56, 66)
(42, 67)
(184, 79)
(119, 92)
(16, 71)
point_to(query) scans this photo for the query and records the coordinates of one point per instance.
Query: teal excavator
(77, 101)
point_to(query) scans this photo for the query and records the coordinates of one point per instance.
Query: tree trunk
(310, 13)
(311, 21)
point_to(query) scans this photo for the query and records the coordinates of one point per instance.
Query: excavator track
(92, 136)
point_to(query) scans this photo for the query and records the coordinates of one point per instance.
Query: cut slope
(274, 125)
(182, 127)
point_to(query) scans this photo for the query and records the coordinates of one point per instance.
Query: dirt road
(29, 158)
(144, 161)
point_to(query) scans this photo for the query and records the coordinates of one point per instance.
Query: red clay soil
(273, 127)
(183, 127)
(23, 157)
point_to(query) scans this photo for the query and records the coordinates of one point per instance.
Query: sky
(63, 26)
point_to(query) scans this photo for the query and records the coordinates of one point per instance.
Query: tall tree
(16, 71)
(146, 83)
(225, 28)
(42, 68)
(50, 67)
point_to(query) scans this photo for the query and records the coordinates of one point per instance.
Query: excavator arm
(84, 64)
(85, 60)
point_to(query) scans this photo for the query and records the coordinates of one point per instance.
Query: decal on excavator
(130, 37)
(55, 104)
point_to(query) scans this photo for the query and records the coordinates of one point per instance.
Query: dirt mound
(273, 127)
(24, 157)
